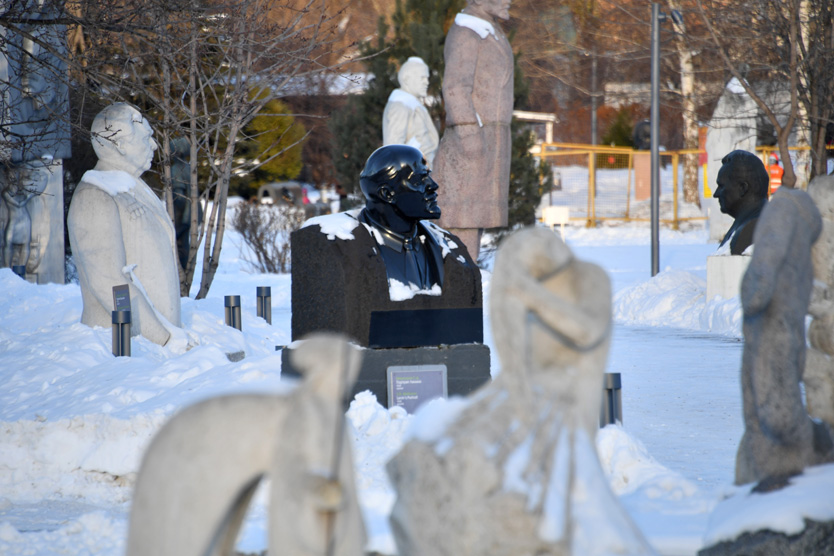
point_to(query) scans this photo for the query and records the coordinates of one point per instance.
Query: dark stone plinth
(816, 539)
(338, 284)
(467, 367)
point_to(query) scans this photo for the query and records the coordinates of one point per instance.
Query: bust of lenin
(385, 275)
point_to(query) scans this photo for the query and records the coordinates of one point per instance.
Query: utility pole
(657, 18)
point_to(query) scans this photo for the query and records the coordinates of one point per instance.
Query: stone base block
(467, 367)
(724, 274)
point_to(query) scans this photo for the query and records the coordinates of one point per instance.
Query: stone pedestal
(467, 367)
(724, 274)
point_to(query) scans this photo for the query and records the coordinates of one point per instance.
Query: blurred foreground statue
(201, 470)
(780, 439)
(121, 233)
(473, 160)
(405, 120)
(819, 366)
(516, 470)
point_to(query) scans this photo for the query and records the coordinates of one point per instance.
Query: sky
(74, 420)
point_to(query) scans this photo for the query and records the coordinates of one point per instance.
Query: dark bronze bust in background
(741, 193)
(399, 193)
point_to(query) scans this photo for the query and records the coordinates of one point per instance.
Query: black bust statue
(399, 193)
(741, 193)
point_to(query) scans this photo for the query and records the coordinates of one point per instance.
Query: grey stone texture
(201, 470)
(779, 437)
(817, 539)
(819, 365)
(472, 164)
(516, 471)
(338, 284)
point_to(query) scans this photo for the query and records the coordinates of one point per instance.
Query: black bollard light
(20, 270)
(121, 333)
(232, 310)
(612, 400)
(264, 294)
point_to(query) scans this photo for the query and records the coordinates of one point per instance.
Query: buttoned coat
(472, 164)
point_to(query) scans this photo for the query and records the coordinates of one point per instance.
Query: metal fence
(613, 183)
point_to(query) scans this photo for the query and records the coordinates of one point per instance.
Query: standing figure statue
(405, 120)
(516, 470)
(780, 439)
(121, 233)
(24, 182)
(473, 160)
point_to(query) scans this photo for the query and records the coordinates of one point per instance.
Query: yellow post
(592, 186)
(675, 161)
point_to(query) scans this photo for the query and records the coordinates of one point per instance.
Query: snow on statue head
(413, 77)
(123, 139)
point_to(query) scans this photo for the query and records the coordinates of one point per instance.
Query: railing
(613, 183)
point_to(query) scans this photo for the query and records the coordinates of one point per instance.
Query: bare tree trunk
(691, 192)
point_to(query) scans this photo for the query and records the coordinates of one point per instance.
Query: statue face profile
(414, 77)
(742, 183)
(398, 187)
(123, 139)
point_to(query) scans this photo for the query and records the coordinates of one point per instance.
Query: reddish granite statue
(472, 164)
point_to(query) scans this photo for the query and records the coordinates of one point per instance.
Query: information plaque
(121, 298)
(410, 386)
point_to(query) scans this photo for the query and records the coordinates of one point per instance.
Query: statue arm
(461, 56)
(774, 234)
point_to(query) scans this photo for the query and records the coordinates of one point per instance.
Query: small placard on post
(410, 386)
(121, 298)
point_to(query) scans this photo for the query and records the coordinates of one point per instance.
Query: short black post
(20, 270)
(264, 294)
(232, 310)
(611, 411)
(121, 333)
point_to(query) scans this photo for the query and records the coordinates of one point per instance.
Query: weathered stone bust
(742, 193)
(121, 233)
(405, 120)
(515, 471)
(368, 272)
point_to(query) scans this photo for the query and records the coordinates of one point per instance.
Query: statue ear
(744, 187)
(386, 194)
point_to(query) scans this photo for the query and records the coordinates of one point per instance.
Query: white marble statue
(515, 472)
(202, 468)
(405, 120)
(121, 233)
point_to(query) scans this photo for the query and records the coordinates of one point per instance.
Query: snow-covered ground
(74, 420)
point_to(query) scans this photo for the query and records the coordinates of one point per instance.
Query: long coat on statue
(478, 94)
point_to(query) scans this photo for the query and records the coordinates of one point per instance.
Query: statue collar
(391, 239)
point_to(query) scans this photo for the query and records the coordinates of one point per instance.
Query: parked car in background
(294, 194)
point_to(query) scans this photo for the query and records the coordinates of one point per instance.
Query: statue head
(413, 77)
(742, 184)
(398, 188)
(123, 139)
(490, 8)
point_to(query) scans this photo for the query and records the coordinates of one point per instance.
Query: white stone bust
(121, 233)
(405, 120)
